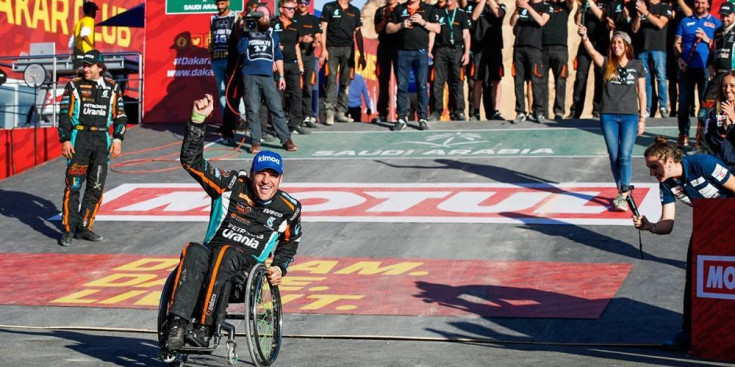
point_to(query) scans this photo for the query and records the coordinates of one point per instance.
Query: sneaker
(255, 149)
(558, 117)
(459, 117)
(379, 119)
(341, 117)
(596, 114)
(519, 118)
(176, 332)
(476, 117)
(680, 342)
(88, 235)
(329, 118)
(496, 116)
(301, 130)
(308, 122)
(66, 239)
(540, 119)
(620, 204)
(423, 125)
(400, 125)
(290, 146)
(198, 336)
(268, 137)
(682, 141)
(436, 116)
(230, 142)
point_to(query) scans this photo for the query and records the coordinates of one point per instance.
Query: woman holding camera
(623, 105)
(698, 176)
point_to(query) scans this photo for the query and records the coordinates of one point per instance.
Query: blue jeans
(688, 79)
(219, 67)
(419, 61)
(620, 132)
(261, 89)
(659, 69)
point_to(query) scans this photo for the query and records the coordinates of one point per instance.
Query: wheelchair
(261, 312)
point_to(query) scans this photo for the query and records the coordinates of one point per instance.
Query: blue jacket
(259, 50)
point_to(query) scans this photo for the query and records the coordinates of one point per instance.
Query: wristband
(198, 117)
(653, 230)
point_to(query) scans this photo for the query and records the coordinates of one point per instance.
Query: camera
(250, 21)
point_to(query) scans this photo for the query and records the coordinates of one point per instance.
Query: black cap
(726, 8)
(92, 57)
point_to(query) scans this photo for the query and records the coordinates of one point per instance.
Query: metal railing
(39, 104)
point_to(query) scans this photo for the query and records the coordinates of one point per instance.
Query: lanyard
(451, 24)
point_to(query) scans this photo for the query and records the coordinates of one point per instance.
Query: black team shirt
(451, 36)
(341, 24)
(289, 35)
(417, 37)
(653, 38)
(486, 31)
(555, 31)
(385, 39)
(528, 32)
(307, 24)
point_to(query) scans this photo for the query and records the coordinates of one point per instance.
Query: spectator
(719, 131)
(357, 94)
(623, 104)
(527, 22)
(486, 64)
(260, 53)
(692, 44)
(555, 55)
(682, 9)
(220, 29)
(451, 52)
(590, 14)
(341, 23)
(413, 21)
(82, 40)
(293, 67)
(651, 23)
(310, 30)
(387, 57)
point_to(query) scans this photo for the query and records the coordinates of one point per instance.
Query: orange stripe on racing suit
(204, 178)
(213, 280)
(178, 274)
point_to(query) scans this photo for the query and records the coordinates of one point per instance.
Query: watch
(35, 75)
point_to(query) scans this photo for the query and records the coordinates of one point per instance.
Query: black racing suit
(242, 232)
(87, 110)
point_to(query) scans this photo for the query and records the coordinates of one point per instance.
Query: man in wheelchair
(250, 218)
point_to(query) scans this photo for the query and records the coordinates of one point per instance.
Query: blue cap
(267, 159)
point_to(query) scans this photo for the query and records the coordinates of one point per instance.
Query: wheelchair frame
(263, 320)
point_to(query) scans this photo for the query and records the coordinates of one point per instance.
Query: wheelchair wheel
(263, 317)
(163, 302)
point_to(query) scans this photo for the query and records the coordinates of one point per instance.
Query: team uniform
(652, 48)
(87, 110)
(599, 36)
(220, 29)
(308, 25)
(555, 56)
(242, 232)
(527, 59)
(448, 50)
(486, 51)
(288, 34)
(341, 26)
(387, 58)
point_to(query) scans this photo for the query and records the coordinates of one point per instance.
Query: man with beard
(691, 46)
(220, 28)
(260, 51)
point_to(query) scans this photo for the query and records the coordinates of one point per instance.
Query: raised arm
(597, 57)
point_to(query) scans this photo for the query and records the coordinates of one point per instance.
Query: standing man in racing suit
(90, 104)
(250, 218)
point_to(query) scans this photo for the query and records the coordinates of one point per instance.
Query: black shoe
(558, 117)
(520, 117)
(400, 125)
(65, 240)
(423, 125)
(540, 119)
(309, 123)
(231, 142)
(436, 116)
(198, 337)
(680, 342)
(176, 332)
(380, 119)
(496, 116)
(477, 117)
(596, 114)
(301, 130)
(459, 117)
(88, 235)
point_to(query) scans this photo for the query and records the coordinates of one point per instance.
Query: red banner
(713, 294)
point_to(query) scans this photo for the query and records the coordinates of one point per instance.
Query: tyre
(263, 317)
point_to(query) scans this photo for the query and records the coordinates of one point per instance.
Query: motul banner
(713, 298)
